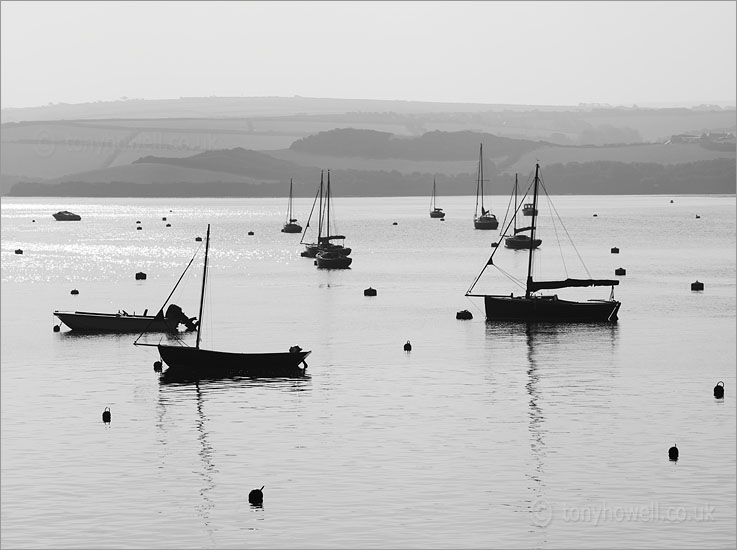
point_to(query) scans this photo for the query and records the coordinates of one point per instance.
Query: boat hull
(522, 244)
(291, 228)
(66, 216)
(485, 222)
(195, 363)
(548, 308)
(333, 261)
(437, 214)
(110, 322)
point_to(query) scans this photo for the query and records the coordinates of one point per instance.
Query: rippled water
(484, 435)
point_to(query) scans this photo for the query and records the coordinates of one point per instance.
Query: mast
(515, 204)
(432, 202)
(320, 212)
(289, 207)
(204, 279)
(533, 226)
(327, 201)
(480, 181)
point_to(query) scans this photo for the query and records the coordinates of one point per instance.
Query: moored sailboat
(519, 240)
(435, 212)
(291, 225)
(191, 363)
(536, 307)
(485, 219)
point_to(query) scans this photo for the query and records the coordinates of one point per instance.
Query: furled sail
(534, 286)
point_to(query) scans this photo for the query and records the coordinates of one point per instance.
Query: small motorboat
(66, 216)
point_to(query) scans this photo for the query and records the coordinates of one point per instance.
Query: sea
(484, 435)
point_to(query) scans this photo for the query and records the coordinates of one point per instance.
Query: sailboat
(535, 307)
(435, 212)
(192, 363)
(486, 220)
(330, 255)
(519, 240)
(291, 225)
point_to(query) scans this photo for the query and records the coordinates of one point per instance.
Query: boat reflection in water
(554, 381)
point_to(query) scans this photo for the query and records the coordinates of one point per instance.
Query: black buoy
(464, 314)
(74, 292)
(719, 390)
(157, 366)
(494, 244)
(139, 228)
(407, 346)
(395, 223)
(18, 251)
(673, 453)
(163, 219)
(369, 292)
(671, 201)
(442, 219)
(168, 225)
(57, 328)
(250, 232)
(34, 221)
(620, 271)
(596, 215)
(615, 250)
(138, 221)
(106, 415)
(697, 285)
(198, 239)
(256, 496)
(140, 276)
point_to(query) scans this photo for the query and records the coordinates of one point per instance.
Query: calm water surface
(485, 435)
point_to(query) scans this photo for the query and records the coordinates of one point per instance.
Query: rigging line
(511, 277)
(307, 225)
(570, 239)
(171, 293)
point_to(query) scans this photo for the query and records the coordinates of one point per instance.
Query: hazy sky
(545, 53)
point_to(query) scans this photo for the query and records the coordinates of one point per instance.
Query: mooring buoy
(256, 496)
(139, 228)
(407, 346)
(620, 271)
(697, 285)
(494, 245)
(369, 292)
(395, 223)
(138, 221)
(198, 239)
(163, 219)
(464, 314)
(140, 276)
(719, 390)
(250, 232)
(18, 251)
(168, 225)
(671, 201)
(57, 328)
(673, 453)
(106, 415)
(157, 366)
(596, 215)
(34, 221)
(615, 250)
(74, 292)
